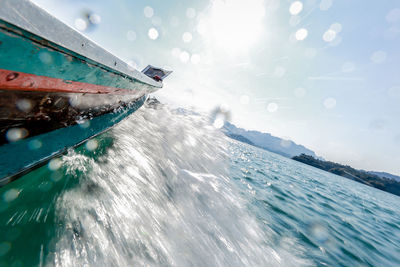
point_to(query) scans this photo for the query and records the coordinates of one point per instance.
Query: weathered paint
(19, 81)
(26, 154)
(30, 54)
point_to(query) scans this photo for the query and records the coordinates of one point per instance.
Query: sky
(323, 73)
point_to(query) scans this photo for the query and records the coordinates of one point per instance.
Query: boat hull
(57, 88)
(23, 155)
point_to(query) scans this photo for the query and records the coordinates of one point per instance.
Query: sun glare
(233, 25)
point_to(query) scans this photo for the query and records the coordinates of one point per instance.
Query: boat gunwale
(8, 27)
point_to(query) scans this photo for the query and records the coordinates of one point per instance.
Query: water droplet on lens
(148, 12)
(80, 24)
(45, 57)
(54, 164)
(296, 7)
(319, 233)
(272, 107)
(15, 134)
(329, 35)
(91, 144)
(10, 195)
(94, 18)
(301, 34)
(219, 122)
(153, 34)
(34, 144)
(187, 37)
(184, 56)
(24, 105)
(336, 27)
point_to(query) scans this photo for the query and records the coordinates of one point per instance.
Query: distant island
(391, 185)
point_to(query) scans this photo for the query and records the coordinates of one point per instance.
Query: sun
(233, 25)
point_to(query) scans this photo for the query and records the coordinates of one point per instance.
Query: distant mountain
(367, 178)
(286, 148)
(239, 138)
(386, 175)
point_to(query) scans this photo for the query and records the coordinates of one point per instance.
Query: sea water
(165, 188)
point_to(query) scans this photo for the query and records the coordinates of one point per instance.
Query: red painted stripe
(13, 80)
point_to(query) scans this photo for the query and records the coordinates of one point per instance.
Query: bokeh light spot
(187, 37)
(24, 105)
(301, 34)
(80, 24)
(34, 144)
(10, 195)
(148, 12)
(272, 107)
(218, 122)
(184, 56)
(296, 8)
(329, 35)
(45, 57)
(54, 164)
(94, 18)
(153, 34)
(15, 134)
(336, 27)
(91, 144)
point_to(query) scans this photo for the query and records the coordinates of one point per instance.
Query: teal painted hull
(20, 157)
(51, 79)
(30, 54)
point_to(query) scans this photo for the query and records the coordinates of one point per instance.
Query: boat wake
(161, 195)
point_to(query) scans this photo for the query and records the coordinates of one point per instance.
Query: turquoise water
(168, 189)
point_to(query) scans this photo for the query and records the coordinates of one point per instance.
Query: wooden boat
(57, 88)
